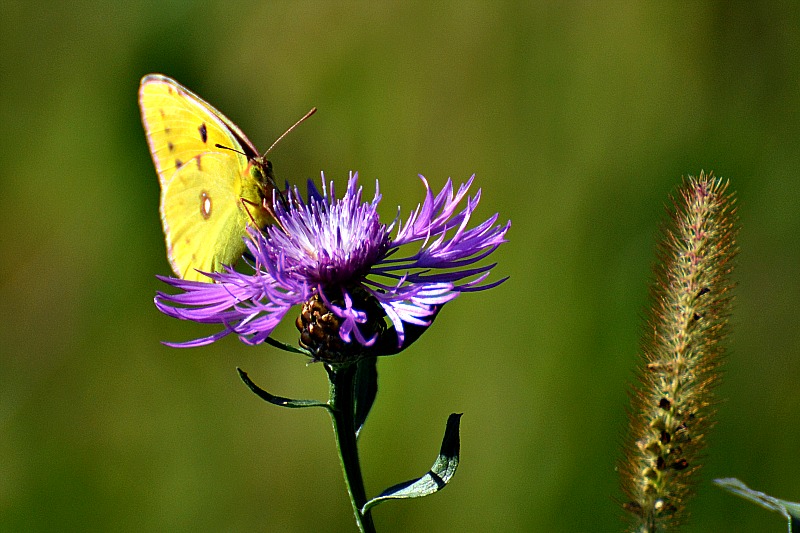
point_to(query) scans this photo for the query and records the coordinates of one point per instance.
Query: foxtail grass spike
(672, 408)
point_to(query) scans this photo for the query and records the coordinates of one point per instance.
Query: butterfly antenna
(231, 149)
(313, 110)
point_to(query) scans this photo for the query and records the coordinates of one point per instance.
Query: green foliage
(366, 389)
(789, 510)
(442, 471)
(280, 401)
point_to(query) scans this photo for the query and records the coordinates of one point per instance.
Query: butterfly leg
(247, 204)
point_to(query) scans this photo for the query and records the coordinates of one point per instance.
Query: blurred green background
(578, 118)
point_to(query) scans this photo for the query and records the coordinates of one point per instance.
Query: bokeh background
(579, 120)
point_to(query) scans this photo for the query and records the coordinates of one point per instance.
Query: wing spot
(205, 205)
(203, 132)
(198, 163)
(178, 163)
(170, 146)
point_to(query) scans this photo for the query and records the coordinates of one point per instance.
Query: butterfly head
(260, 169)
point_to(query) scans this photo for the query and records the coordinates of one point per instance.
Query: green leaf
(789, 510)
(437, 477)
(279, 400)
(287, 347)
(366, 389)
(387, 342)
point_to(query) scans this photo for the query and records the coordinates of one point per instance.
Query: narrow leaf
(287, 347)
(366, 389)
(387, 342)
(789, 510)
(437, 477)
(278, 400)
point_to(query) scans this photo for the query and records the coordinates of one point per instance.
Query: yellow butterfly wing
(198, 151)
(203, 200)
(180, 125)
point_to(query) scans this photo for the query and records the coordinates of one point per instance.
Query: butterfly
(214, 183)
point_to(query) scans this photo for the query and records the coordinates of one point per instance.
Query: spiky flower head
(672, 408)
(335, 258)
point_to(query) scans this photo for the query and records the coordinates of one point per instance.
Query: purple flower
(337, 258)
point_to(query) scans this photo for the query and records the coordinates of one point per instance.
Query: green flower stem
(342, 410)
